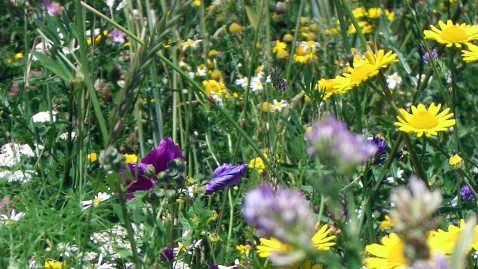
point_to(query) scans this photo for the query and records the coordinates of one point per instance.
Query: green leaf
(57, 68)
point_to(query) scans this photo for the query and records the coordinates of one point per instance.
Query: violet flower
(283, 214)
(331, 141)
(52, 8)
(381, 145)
(117, 36)
(466, 194)
(166, 255)
(426, 57)
(225, 176)
(157, 158)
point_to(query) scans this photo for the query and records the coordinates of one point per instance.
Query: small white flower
(44, 117)
(14, 217)
(100, 197)
(64, 248)
(190, 44)
(256, 84)
(202, 72)
(17, 176)
(393, 80)
(242, 82)
(279, 105)
(10, 153)
(64, 136)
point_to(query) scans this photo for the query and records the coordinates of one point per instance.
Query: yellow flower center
(423, 120)
(97, 200)
(453, 34)
(362, 72)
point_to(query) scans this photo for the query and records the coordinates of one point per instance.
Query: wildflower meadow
(215, 134)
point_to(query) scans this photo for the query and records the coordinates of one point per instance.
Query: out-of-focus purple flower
(158, 158)
(166, 255)
(381, 145)
(466, 194)
(282, 214)
(117, 36)
(212, 266)
(426, 57)
(52, 8)
(335, 145)
(225, 176)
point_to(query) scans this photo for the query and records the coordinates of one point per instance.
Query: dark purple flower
(466, 194)
(282, 85)
(52, 8)
(381, 145)
(331, 141)
(426, 57)
(282, 214)
(117, 36)
(225, 176)
(158, 158)
(166, 255)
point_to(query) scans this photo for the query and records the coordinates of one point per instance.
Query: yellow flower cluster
(390, 253)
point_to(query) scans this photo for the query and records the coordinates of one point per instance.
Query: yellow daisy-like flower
(444, 241)
(212, 86)
(364, 26)
(471, 55)
(305, 52)
(326, 86)
(375, 12)
(423, 121)
(321, 241)
(388, 254)
(452, 34)
(363, 69)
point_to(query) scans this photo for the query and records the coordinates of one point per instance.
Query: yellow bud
(287, 38)
(455, 161)
(235, 28)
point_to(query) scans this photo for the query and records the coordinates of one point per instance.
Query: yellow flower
(92, 157)
(375, 12)
(18, 56)
(326, 86)
(321, 241)
(363, 69)
(131, 158)
(280, 49)
(287, 38)
(388, 254)
(471, 55)
(197, 3)
(364, 26)
(423, 121)
(214, 87)
(359, 12)
(52, 264)
(244, 249)
(386, 223)
(455, 161)
(258, 164)
(445, 241)
(452, 34)
(235, 28)
(305, 52)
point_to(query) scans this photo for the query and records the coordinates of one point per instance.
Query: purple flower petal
(160, 157)
(225, 176)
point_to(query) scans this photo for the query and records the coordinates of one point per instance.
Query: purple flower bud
(381, 145)
(335, 145)
(426, 57)
(166, 255)
(158, 158)
(52, 8)
(466, 194)
(225, 176)
(282, 214)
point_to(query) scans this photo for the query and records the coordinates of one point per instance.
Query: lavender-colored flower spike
(426, 57)
(335, 145)
(282, 214)
(158, 158)
(466, 194)
(225, 176)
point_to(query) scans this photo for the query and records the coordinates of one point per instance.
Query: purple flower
(282, 214)
(52, 8)
(212, 266)
(166, 255)
(426, 57)
(117, 36)
(158, 159)
(381, 145)
(331, 141)
(225, 176)
(466, 194)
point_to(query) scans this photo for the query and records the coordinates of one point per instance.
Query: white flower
(20, 176)
(217, 99)
(44, 117)
(256, 84)
(64, 136)
(7, 220)
(110, 4)
(10, 153)
(393, 80)
(243, 82)
(202, 72)
(399, 174)
(100, 197)
(279, 105)
(64, 248)
(190, 44)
